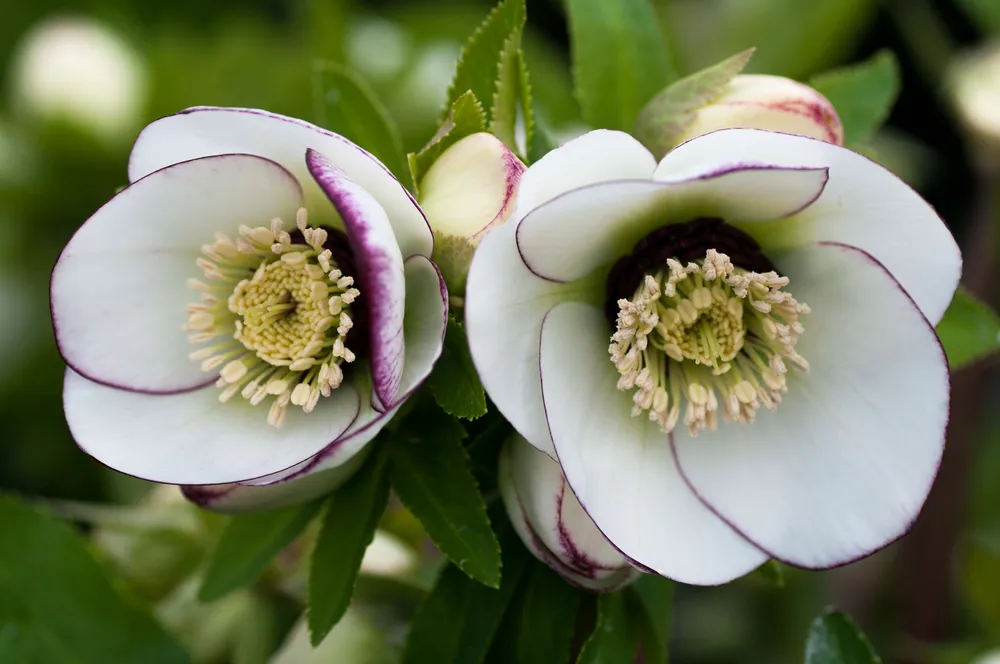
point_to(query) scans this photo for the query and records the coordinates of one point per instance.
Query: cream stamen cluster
(283, 309)
(709, 334)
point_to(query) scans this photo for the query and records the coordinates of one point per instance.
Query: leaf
(771, 574)
(527, 104)
(970, 330)
(430, 473)
(248, 544)
(863, 94)
(620, 59)
(56, 605)
(348, 106)
(672, 110)
(980, 576)
(548, 618)
(348, 528)
(460, 617)
(465, 118)
(454, 381)
(503, 118)
(835, 639)
(615, 636)
(653, 599)
(480, 62)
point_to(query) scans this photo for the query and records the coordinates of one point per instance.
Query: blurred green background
(79, 79)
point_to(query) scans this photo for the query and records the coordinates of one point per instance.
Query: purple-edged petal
(380, 273)
(621, 468)
(597, 156)
(202, 131)
(192, 438)
(426, 318)
(504, 307)
(471, 187)
(119, 291)
(863, 205)
(553, 524)
(844, 464)
(568, 237)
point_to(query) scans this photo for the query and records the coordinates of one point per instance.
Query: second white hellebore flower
(249, 312)
(731, 353)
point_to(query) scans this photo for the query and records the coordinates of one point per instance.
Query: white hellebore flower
(553, 524)
(760, 101)
(698, 271)
(250, 311)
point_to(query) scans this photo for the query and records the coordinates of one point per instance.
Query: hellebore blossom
(250, 310)
(468, 190)
(731, 353)
(553, 524)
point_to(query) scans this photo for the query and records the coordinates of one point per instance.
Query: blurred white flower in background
(77, 69)
(378, 48)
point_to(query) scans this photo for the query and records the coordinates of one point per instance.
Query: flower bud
(974, 84)
(758, 101)
(552, 522)
(466, 192)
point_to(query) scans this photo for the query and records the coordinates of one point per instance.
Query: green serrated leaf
(863, 94)
(835, 639)
(349, 525)
(466, 117)
(454, 381)
(431, 475)
(654, 602)
(347, 105)
(503, 118)
(615, 636)
(56, 605)
(970, 330)
(548, 617)
(527, 103)
(479, 64)
(672, 110)
(248, 544)
(460, 617)
(620, 59)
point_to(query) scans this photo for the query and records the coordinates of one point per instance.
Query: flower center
(284, 308)
(704, 335)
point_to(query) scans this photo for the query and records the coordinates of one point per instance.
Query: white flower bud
(776, 103)
(552, 522)
(78, 70)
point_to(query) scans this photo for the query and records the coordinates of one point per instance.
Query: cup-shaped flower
(553, 524)
(250, 310)
(468, 190)
(773, 385)
(776, 103)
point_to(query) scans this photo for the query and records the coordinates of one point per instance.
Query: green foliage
(430, 473)
(970, 330)
(547, 618)
(980, 578)
(835, 639)
(348, 106)
(465, 118)
(672, 110)
(986, 14)
(863, 94)
(653, 602)
(454, 381)
(508, 90)
(457, 622)
(616, 635)
(57, 606)
(771, 574)
(247, 546)
(349, 525)
(620, 59)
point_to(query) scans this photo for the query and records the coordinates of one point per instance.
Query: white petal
(504, 307)
(471, 187)
(202, 131)
(568, 237)
(380, 273)
(863, 205)
(192, 438)
(844, 464)
(236, 498)
(119, 290)
(426, 318)
(622, 468)
(597, 156)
